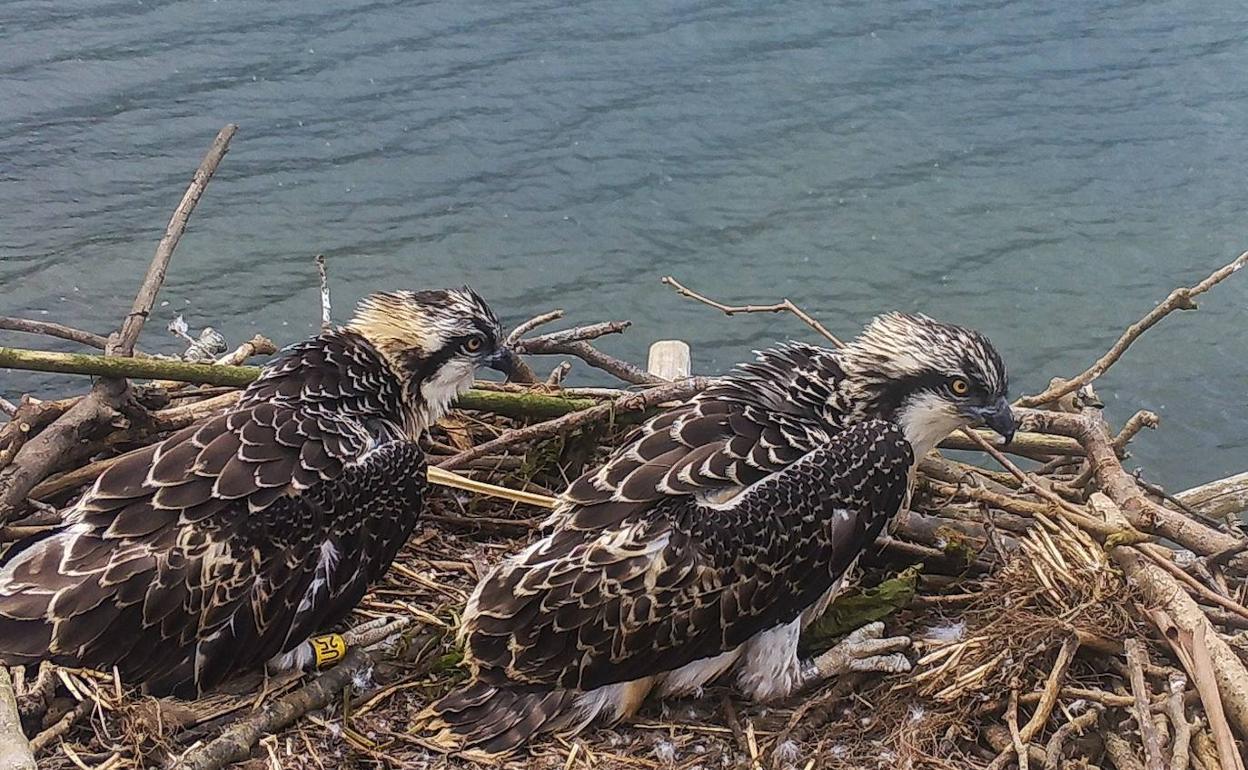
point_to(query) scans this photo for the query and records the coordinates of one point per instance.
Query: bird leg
(326, 650)
(865, 649)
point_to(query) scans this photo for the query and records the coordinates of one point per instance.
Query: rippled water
(1044, 171)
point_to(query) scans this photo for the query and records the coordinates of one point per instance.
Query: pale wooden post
(669, 359)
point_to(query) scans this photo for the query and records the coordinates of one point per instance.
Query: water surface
(1043, 171)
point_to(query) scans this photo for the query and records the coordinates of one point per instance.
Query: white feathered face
(435, 340)
(931, 378)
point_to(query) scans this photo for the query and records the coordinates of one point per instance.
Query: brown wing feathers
(666, 584)
(230, 541)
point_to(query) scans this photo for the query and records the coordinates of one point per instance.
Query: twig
(443, 477)
(1137, 660)
(1179, 299)
(544, 342)
(628, 372)
(1052, 687)
(1158, 555)
(53, 330)
(1178, 720)
(1076, 726)
(1011, 721)
(784, 306)
(1048, 699)
(557, 374)
(15, 752)
(572, 342)
(1064, 508)
(635, 402)
(146, 297)
(531, 324)
(236, 743)
(327, 319)
(62, 725)
(1134, 424)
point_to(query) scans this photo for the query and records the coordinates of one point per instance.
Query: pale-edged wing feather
(678, 581)
(230, 541)
(756, 421)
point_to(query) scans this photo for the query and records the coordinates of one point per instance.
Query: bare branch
(634, 402)
(146, 297)
(49, 329)
(1137, 660)
(531, 324)
(545, 343)
(784, 306)
(1179, 299)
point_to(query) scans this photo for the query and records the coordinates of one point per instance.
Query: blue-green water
(1044, 171)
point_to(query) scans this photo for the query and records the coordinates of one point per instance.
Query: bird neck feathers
(926, 420)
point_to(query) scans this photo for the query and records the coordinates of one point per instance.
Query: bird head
(930, 378)
(434, 341)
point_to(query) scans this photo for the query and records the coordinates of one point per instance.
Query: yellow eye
(473, 344)
(959, 386)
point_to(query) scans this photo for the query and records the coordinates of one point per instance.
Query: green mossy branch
(538, 406)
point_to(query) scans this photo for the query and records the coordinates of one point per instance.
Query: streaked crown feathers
(901, 345)
(422, 322)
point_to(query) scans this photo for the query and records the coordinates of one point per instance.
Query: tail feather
(484, 722)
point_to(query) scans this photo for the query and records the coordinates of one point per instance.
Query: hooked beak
(504, 360)
(999, 418)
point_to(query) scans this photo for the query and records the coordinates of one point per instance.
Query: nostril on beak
(504, 360)
(1000, 418)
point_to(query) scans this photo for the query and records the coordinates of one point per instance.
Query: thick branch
(236, 743)
(53, 446)
(109, 366)
(15, 752)
(1218, 499)
(1137, 660)
(532, 405)
(1145, 515)
(1161, 590)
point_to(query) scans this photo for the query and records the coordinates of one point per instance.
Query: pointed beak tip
(1001, 419)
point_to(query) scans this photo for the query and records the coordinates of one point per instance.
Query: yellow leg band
(329, 649)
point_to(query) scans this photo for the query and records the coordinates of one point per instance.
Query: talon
(872, 630)
(885, 664)
(376, 631)
(865, 650)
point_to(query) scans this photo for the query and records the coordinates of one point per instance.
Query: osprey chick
(230, 542)
(715, 535)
